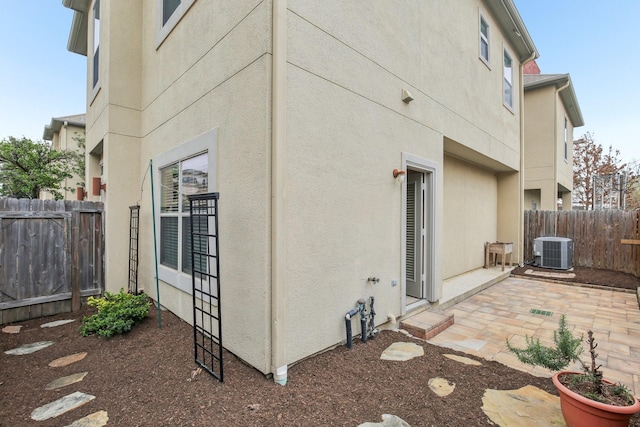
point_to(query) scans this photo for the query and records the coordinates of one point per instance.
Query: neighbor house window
(96, 42)
(170, 12)
(484, 40)
(508, 80)
(566, 138)
(186, 169)
(179, 180)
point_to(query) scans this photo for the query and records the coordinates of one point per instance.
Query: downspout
(520, 257)
(278, 191)
(555, 142)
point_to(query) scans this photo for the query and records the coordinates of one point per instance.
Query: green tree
(28, 167)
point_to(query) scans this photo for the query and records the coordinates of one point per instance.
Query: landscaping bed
(142, 378)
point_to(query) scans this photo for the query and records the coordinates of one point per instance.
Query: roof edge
(77, 42)
(78, 120)
(567, 94)
(507, 15)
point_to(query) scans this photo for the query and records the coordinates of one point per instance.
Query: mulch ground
(142, 379)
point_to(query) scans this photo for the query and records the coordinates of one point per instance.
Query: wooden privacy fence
(51, 255)
(597, 236)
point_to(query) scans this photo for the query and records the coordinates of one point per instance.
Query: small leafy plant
(568, 348)
(117, 314)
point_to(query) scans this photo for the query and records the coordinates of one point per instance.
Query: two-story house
(298, 112)
(67, 133)
(552, 113)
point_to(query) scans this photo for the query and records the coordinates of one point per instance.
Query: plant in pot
(586, 399)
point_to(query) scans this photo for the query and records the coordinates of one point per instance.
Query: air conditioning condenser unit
(553, 252)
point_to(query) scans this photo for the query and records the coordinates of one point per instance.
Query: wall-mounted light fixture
(399, 175)
(97, 186)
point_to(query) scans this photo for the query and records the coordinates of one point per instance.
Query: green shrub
(567, 349)
(117, 314)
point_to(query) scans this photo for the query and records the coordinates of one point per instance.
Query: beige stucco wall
(66, 139)
(347, 129)
(471, 204)
(221, 83)
(113, 123)
(545, 165)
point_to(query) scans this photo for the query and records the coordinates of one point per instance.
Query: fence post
(75, 270)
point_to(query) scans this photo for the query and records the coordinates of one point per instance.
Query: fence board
(46, 247)
(597, 236)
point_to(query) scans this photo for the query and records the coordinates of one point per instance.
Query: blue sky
(594, 41)
(39, 77)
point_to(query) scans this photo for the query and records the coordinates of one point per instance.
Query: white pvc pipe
(278, 191)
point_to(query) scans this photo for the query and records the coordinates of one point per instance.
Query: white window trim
(162, 31)
(487, 60)
(207, 142)
(511, 108)
(94, 88)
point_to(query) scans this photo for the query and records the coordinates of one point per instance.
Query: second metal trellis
(134, 231)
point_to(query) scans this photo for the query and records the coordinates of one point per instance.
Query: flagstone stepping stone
(402, 351)
(441, 386)
(462, 359)
(12, 329)
(67, 360)
(65, 381)
(388, 421)
(97, 419)
(29, 348)
(525, 407)
(61, 406)
(57, 323)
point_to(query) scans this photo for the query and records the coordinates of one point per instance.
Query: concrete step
(427, 324)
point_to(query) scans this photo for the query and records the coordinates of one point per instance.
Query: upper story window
(170, 12)
(168, 7)
(484, 40)
(566, 138)
(507, 75)
(96, 43)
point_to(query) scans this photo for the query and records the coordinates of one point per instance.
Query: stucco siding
(343, 214)
(470, 201)
(209, 82)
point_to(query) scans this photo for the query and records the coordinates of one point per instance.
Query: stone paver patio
(504, 311)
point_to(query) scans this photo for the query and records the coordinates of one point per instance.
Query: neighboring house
(297, 112)
(552, 113)
(64, 133)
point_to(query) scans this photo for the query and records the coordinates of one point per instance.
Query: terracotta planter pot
(578, 411)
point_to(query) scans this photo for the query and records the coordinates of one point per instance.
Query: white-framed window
(95, 70)
(507, 74)
(186, 169)
(484, 40)
(170, 12)
(566, 138)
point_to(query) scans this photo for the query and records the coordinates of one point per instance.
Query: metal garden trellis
(205, 273)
